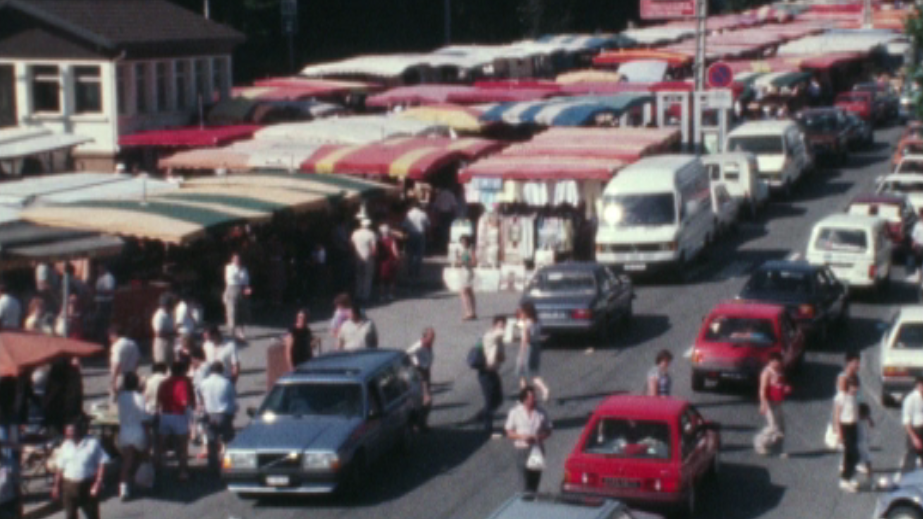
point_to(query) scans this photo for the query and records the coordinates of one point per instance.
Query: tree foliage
(913, 28)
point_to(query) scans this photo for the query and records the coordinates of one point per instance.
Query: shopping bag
(831, 438)
(536, 459)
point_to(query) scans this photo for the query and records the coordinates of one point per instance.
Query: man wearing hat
(364, 244)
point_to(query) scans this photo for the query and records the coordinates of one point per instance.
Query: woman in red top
(773, 391)
(389, 262)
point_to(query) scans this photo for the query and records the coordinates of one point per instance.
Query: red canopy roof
(618, 57)
(320, 87)
(190, 137)
(20, 351)
(500, 95)
(413, 157)
(542, 168)
(416, 95)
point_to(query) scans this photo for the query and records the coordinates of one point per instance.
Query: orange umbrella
(19, 351)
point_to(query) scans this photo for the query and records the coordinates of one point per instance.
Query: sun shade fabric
(95, 246)
(237, 110)
(589, 76)
(459, 118)
(350, 130)
(21, 351)
(318, 87)
(569, 111)
(414, 158)
(349, 188)
(505, 92)
(783, 79)
(206, 158)
(78, 186)
(541, 168)
(674, 59)
(189, 137)
(416, 95)
(38, 144)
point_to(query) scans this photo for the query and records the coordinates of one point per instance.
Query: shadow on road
(753, 495)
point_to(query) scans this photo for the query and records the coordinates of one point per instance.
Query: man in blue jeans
(489, 376)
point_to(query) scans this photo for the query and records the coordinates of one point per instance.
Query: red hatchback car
(859, 103)
(648, 451)
(737, 338)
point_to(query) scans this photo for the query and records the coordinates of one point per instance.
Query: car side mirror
(251, 412)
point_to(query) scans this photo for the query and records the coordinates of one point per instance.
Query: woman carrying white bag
(529, 427)
(850, 370)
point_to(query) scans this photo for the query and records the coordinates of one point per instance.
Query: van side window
(731, 171)
(714, 172)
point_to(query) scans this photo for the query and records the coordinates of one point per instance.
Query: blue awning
(568, 111)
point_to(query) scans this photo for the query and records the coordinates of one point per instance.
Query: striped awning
(459, 118)
(568, 111)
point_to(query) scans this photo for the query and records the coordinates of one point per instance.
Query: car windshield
(723, 328)
(820, 123)
(896, 186)
(910, 166)
(647, 209)
(889, 212)
(314, 399)
(562, 282)
(786, 281)
(841, 240)
(757, 144)
(634, 439)
(909, 337)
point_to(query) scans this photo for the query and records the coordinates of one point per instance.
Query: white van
(856, 248)
(780, 151)
(909, 184)
(655, 213)
(740, 173)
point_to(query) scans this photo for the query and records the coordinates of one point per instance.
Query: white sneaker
(849, 486)
(123, 491)
(862, 468)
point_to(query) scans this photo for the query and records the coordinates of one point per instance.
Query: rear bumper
(255, 482)
(899, 386)
(726, 372)
(573, 326)
(630, 496)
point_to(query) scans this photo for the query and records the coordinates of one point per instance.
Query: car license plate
(551, 315)
(635, 267)
(733, 375)
(277, 481)
(622, 483)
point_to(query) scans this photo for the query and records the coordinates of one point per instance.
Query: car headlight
(239, 460)
(320, 460)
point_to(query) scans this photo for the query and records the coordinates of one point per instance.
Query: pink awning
(189, 137)
(416, 95)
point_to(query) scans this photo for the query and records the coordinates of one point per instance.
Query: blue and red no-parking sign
(719, 75)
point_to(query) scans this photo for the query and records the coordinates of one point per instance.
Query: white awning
(40, 144)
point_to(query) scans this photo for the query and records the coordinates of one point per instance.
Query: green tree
(913, 28)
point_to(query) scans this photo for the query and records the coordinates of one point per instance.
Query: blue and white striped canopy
(565, 111)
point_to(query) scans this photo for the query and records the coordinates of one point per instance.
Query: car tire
(905, 512)
(353, 484)
(628, 315)
(698, 381)
(678, 275)
(714, 469)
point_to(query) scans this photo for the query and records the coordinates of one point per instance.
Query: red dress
(387, 268)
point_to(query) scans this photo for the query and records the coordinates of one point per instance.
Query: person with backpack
(489, 373)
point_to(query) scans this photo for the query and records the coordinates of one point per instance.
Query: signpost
(667, 9)
(719, 75)
(289, 9)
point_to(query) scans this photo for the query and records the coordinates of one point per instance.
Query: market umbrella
(19, 351)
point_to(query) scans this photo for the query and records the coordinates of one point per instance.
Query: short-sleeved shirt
(849, 412)
(494, 351)
(10, 313)
(81, 460)
(664, 381)
(105, 285)
(225, 353)
(364, 241)
(236, 276)
(356, 336)
(162, 323)
(421, 357)
(218, 395)
(416, 221)
(175, 395)
(520, 421)
(912, 409)
(126, 354)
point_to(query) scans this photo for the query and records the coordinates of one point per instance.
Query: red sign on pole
(667, 9)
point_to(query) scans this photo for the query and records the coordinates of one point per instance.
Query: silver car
(324, 424)
(903, 502)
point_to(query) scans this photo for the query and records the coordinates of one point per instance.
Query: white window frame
(35, 77)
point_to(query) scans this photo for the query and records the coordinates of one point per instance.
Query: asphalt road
(456, 473)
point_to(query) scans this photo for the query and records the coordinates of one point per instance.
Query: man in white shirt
(358, 332)
(104, 292)
(152, 386)
(916, 250)
(81, 465)
(185, 316)
(164, 330)
(365, 245)
(124, 357)
(236, 291)
(218, 350)
(10, 310)
(219, 402)
(416, 224)
(912, 420)
(421, 354)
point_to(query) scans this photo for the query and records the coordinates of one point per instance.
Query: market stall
(30, 150)
(576, 111)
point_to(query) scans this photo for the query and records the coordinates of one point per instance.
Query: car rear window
(841, 240)
(910, 166)
(314, 399)
(724, 328)
(757, 144)
(887, 211)
(634, 439)
(819, 123)
(786, 281)
(546, 283)
(909, 337)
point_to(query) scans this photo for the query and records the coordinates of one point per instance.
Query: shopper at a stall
(164, 329)
(465, 263)
(365, 245)
(237, 290)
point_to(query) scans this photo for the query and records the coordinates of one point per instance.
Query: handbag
(536, 459)
(476, 358)
(831, 438)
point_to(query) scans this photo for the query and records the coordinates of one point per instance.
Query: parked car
(913, 130)
(736, 339)
(322, 426)
(725, 207)
(781, 151)
(901, 354)
(887, 103)
(856, 248)
(580, 297)
(910, 94)
(895, 209)
(548, 506)
(904, 148)
(904, 500)
(910, 164)
(646, 451)
(860, 103)
(740, 173)
(827, 133)
(813, 296)
(907, 184)
(861, 134)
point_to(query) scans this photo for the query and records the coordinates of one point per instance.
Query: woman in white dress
(236, 291)
(133, 430)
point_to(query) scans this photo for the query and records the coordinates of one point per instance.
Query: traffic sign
(718, 99)
(719, 75)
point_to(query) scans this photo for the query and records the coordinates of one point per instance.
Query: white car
(780, 148)
(901, 354)
(910, 184)
(856, 248)
(910, 164)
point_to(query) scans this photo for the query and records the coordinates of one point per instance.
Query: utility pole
(701, 30)
(206, 9)
(867, 14)
(448, 21)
